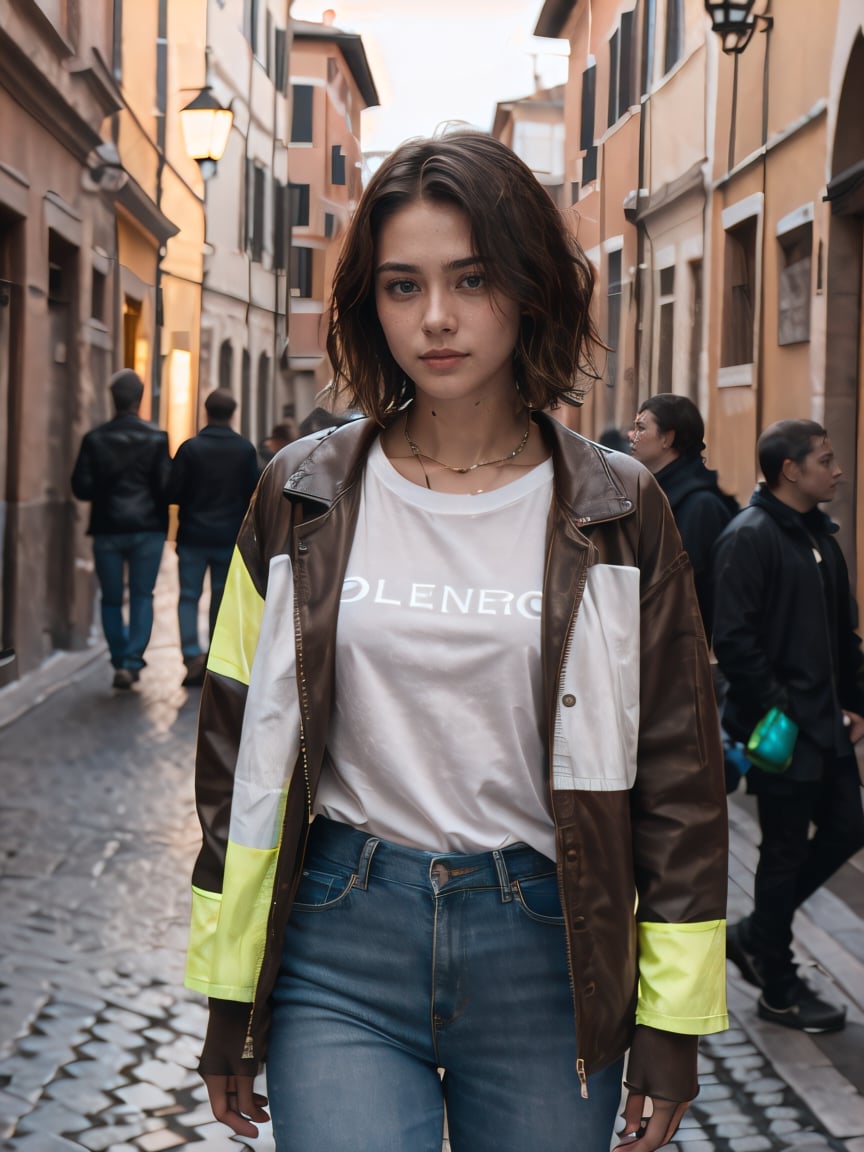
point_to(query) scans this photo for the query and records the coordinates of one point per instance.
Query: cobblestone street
(98, 1038)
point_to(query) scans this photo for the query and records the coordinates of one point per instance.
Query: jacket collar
(813, 521)
(589, 493)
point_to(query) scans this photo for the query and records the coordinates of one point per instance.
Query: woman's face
(445, 328)
(648, 442)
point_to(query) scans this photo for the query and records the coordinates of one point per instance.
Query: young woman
(459, 771)
(668, 437)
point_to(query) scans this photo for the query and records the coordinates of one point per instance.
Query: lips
(442, 356)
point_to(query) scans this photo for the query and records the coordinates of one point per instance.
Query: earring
(521, 397)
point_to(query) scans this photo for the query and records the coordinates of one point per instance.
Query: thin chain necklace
(418, 454)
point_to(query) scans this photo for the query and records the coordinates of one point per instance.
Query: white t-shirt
(435, 740)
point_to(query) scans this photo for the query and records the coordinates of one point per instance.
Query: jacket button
(572, 853)
(568, 700)
(589, 989)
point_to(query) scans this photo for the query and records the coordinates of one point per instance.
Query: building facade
(720, 197)
(331, 84)
(94, 200)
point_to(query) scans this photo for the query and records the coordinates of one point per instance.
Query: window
(586, 128)
(299, 205)
(739, 294)
(666, 329)
(97, 296)
(280, 66)
(301, 272)
(226, 364)
(649, 23)
(695, 326)
(281, 225)
(301, 113)
(263, 405)
(246, 395)
(613, 317)
(255, 198)
(250, 23)
(674, 43)
(329, 225)
(614, 51)
(795, 268)
(337, 165)
(620, 70)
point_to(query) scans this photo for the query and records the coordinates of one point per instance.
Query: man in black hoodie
(212, 479)
(122, 469)
(785, 639)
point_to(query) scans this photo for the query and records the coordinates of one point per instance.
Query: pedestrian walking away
(459, 771)
(668, 437)
(213, 477)
(784, 637)
(122, 469)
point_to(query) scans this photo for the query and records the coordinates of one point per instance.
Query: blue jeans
(398, 963)
(194, 560)
(132, 556)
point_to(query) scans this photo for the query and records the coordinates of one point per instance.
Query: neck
(665, 460)
(789, 495)
(462, 434)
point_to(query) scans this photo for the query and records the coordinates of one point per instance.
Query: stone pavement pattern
(98, 1038)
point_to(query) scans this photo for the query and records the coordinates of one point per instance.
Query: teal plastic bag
(772, 742)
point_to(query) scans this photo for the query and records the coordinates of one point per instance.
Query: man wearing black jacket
(212, 479)
(122, 469)
(784, 636)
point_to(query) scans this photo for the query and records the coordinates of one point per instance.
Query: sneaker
(737, 950)
(125, 677)
(196, 666)
(804, 1010)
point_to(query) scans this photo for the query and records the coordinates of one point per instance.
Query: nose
(439, 315)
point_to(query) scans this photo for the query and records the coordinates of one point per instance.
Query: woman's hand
(649, 1124)
(234, 1103)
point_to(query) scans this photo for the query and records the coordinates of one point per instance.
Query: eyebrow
(453, 266)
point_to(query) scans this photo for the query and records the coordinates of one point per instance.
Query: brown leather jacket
(641, 829)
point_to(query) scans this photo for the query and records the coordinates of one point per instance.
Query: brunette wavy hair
(526, 251)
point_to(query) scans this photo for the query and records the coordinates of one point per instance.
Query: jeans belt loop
(503, 876)
(365, 863)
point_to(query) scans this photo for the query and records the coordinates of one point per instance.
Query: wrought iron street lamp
(206, 128)
(734, 22)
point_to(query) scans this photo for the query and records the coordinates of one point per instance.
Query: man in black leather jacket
(122, 469)
(784, 636)
(213, 477)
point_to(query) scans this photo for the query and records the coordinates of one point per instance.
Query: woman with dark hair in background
(668, 438)
(463, 810)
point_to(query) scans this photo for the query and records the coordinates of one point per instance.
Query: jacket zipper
(580, 1063)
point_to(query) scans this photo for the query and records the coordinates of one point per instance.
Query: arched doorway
(844, 371)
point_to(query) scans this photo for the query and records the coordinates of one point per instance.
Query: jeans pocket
(322, 888)
(540, 899)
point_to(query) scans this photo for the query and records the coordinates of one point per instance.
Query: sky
(435, 61)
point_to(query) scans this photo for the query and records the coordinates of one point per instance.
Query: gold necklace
(418, 454)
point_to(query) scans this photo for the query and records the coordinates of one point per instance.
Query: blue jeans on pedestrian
(132, 557)
(193, 562)
(399, 963)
